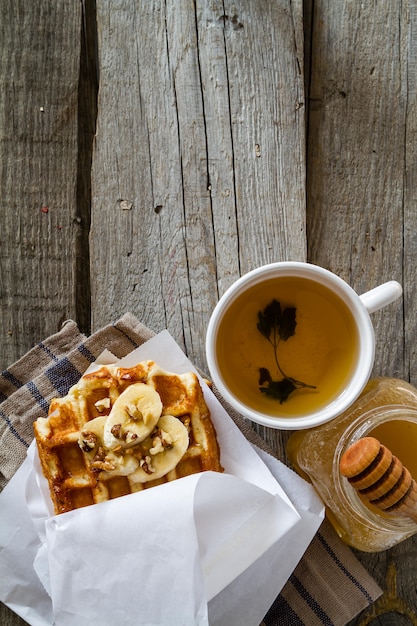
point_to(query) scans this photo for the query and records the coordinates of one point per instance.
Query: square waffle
(77, 467)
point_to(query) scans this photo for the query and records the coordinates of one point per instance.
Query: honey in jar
(386, 410)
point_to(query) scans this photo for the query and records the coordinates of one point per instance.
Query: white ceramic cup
(360, 308)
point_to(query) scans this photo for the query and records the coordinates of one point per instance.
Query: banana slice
(133, 417)
(162, 451)
(111, 463)
(91, 434)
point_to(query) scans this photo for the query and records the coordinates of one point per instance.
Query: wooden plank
(356, 156)
(361, 218)
(39, 76)
(409, 69)
(199, 164)
(8, 618)
(39, 133)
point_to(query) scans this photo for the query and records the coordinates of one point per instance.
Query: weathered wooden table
(153, 151)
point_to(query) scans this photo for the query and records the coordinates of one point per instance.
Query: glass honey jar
(386, 410)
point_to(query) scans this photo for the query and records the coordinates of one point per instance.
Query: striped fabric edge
(49, 371)
(328, 584)
(38, 358)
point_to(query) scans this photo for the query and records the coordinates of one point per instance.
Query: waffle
(87, 459)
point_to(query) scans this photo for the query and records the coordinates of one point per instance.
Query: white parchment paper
(195, 551)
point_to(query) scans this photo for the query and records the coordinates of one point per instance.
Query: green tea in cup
(287, 346)
(291, 345)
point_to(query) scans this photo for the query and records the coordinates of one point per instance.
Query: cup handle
(380, 296)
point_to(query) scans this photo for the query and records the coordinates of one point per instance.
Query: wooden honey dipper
(380, 477)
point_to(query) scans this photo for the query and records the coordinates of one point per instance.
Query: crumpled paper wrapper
(208, 548)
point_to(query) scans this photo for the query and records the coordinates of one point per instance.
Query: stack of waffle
(121, 430)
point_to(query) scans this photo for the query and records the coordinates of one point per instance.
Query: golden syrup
(399, 436)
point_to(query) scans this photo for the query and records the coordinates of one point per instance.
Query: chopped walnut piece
(100, 454)
(105, 465)
(133, 412)
(161, 441)
(102, 462)
(157, 446)
(88, 441)
(116, 431)
(167, 440)
(146, 465)
(130, 437)
(102, 405)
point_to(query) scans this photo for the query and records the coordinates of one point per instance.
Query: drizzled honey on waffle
(121, 430)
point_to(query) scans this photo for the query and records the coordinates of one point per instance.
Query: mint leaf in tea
(278, 325)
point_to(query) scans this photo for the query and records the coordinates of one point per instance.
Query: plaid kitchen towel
(329, 586)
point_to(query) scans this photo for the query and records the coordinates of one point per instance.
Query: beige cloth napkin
(329, 586)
